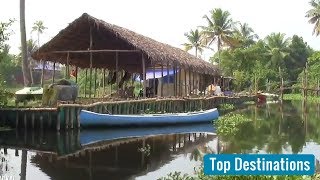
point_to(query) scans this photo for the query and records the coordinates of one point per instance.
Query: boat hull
(88, 118)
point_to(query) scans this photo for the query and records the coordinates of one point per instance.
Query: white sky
(163, 20)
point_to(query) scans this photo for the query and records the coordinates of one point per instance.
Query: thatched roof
(108, 36)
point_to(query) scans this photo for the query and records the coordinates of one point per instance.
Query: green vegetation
(229, 124)
(241, 54)
(300, 97)
(226, 107)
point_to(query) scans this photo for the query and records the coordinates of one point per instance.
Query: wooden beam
(95, 82)
(95, 51)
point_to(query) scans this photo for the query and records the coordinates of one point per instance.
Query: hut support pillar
(168, 77)
(67, 67)
(104, 82)
(161, 80)
(90, 83)
(185, 82)
(42, 72)
(95, 82)
(117, 70)
(54, 71)
(144, 77)
(154, 81)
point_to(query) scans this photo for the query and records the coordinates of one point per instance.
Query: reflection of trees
(282, 126)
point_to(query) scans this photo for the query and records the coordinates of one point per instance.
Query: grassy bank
(300, 97)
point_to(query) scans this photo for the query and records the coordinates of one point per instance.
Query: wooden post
(117, 71)
(154, 80)
(77, 74)
(95, 82)
(54, 71)
(67, 67)
(174, 81)
(189, 81)
(162, 80)
(42, 72)
(185, 82)
(104, 82)
(168, 78)
(85, 84)
(90, 63)
(144, 76)
(180, 84)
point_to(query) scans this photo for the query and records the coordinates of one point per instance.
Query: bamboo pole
(67, 67)
(189, 81)
(185, 82)
(174, 81)
(104, 82)
(161, 80)
(168, 78)
(85, 84)
(144, 76)
(117, 72)
(180, 83)
(54, 72)
(42, 72)
(154, 80)
(95, 82)
(90, 47)
(77, 74)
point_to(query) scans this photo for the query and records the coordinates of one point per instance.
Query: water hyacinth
(228, 125)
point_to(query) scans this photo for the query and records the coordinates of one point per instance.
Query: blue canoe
(88, 118)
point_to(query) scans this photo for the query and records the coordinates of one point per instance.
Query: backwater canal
(153, 152)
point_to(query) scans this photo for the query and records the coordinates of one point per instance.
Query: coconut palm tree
(277, 49)
(245, 35)
(194, 41)
(39, 28)
(26, 74)
(314, 16)
(219, 29)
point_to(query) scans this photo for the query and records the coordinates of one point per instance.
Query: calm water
(150, 153)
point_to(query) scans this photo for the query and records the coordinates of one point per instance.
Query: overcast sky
(163, 20)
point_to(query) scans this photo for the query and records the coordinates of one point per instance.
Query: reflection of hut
(92, 44)
(120, 160)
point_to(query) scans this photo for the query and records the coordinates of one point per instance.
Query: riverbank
(297, 97)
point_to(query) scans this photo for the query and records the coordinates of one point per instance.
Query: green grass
(299, 97)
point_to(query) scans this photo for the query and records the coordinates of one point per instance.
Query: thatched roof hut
(130, 46)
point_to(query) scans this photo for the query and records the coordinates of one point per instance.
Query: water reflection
(149, 153)
(114, 153)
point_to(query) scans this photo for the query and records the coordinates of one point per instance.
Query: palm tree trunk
(196, 51)
(26, 74)
(219, 46)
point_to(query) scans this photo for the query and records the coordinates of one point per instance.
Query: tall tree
(194, 41)
(245, 35)
(219, 29)
(277, 49)
(26, 74)
(314, 16)
(39, 28)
